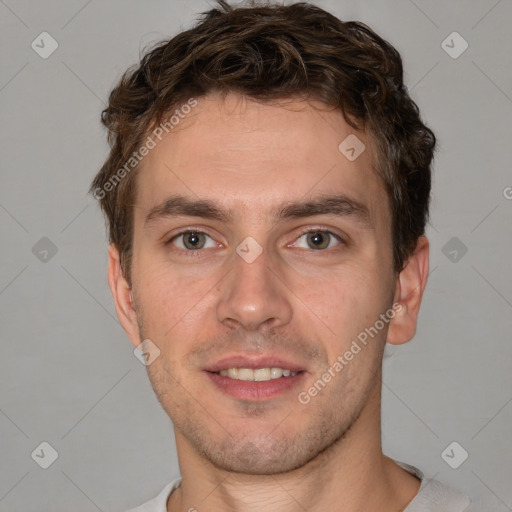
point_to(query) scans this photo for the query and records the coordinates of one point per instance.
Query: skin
(304, 304)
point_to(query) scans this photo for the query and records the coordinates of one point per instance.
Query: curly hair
(269, 52)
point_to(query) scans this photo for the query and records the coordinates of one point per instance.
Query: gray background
(67, 372)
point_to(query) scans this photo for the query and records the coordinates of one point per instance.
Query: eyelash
(196, 253)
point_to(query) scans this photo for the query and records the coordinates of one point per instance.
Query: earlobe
(410, 285)
(123, 296)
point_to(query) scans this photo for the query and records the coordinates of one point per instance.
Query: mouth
(254, 379)
(257, 375)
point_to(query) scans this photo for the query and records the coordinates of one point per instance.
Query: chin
(267, 455)
(249, 460)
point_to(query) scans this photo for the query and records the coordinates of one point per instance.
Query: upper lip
(254, 362)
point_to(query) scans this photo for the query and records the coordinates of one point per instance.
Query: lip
(253, 362)
(253, 390)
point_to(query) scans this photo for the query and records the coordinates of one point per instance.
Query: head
(284, 142)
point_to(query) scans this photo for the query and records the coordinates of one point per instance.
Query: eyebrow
(339, 205)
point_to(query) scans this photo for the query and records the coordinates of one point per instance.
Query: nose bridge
(251, 295)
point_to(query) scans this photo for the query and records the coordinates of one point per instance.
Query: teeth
(258, 375)
(245, 374)
(262, 374)
(275, 373)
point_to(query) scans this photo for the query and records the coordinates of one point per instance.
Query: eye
(319, 239)
(192, 240)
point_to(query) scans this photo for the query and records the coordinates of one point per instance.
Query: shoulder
(434, 496)
(158, 504)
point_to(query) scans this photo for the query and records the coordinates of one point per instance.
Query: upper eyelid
(185, 231)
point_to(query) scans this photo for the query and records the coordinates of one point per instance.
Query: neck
(351, 475)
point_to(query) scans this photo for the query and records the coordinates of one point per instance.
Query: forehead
(250, 156)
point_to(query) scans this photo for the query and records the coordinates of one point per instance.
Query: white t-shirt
(433, 496)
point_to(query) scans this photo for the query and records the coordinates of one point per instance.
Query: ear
(410, 285)
(123, 298)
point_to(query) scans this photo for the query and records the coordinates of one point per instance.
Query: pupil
(317, 239)
(193, 240)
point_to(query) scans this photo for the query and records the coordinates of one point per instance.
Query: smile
(256, 375)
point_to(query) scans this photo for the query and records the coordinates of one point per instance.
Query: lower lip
(252, 390)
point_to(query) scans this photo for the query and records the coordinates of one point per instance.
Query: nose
(253, 295)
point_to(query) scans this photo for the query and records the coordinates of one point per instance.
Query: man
(266, 194)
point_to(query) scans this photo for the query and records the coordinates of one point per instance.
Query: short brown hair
(269, 52)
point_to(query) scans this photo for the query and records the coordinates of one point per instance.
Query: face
(260, 253)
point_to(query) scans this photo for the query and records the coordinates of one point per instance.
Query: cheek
(343, 307)
(173, 301)
(341, 297)
(331, 304)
